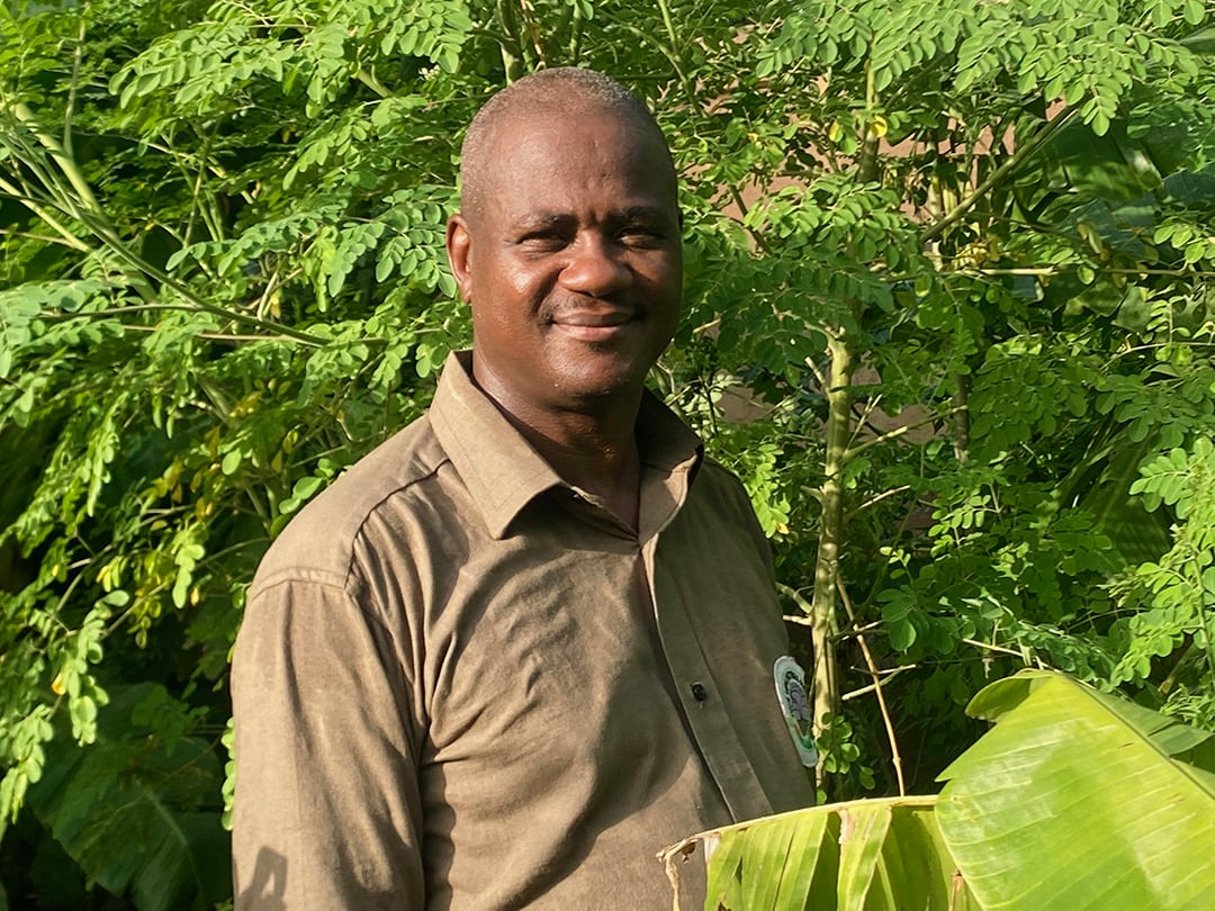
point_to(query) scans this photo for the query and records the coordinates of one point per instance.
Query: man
(529, 640)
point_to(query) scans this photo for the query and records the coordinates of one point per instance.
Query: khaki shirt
(461, 683)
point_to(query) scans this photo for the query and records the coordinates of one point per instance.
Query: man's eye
(543, 240)
(641, 235)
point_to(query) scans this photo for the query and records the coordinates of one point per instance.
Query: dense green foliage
(953, 260)
(1118, 800)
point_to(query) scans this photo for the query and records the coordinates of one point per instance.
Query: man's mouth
(593, 325)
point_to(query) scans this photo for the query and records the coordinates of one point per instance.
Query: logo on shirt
(795, 704)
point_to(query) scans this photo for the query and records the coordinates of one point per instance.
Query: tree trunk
(826, 568)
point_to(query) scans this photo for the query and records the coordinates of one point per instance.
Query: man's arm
(328, 814)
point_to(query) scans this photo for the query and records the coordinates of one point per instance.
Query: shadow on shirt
(267, 887)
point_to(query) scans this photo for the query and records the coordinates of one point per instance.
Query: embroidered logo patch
(795, 704)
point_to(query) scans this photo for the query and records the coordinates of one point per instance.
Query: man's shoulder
(721, 484)
(719, 496)
(318, 544)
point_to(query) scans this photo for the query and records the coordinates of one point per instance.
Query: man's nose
(596, 267)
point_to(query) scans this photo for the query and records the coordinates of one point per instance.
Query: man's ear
(459, 255)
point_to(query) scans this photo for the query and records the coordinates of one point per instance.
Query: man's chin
(624, 381)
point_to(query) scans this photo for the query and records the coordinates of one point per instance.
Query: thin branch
(70, 107)
(669, 54)
(220, 336)
(819, 376)
(742, 208)
(60, 156)
(899, 431)
(895, 757)
(96, 220)
(877, 498)
(1156, 345)
(684, 81)
(856, 631)
(116, 245)
(862, 419)
(935, 230)
(1050, 271)
(996, 648)
(38, 209)
(887, 676)
(41, 238)
(370, 80)
(263, 302)
(118, 311)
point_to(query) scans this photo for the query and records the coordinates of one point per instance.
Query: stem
(669, 24)
(1177, 658)
(887, 676)
(935, 230)
(991, 647)
(899, 431)
(41, 238)
(826, 567)
(575, 44)
(48, 219)
(369, 79)
(70, 107)
(147, 269)
(895, 757)
(742, 208)
(220, 336)
(61, 158)
(510, 46)
(1208, 645)
(961, 419)
(868, 158)
(1048, 271)
(878, 498)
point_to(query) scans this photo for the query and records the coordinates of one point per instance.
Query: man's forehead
(624, 212)
(538, 128)
(529, 146)
(558, 142)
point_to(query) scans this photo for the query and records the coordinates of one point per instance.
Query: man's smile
(593, 325)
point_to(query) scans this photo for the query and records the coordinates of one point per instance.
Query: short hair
(565, 90)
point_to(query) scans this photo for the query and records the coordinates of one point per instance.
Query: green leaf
(134, 816)
(879, 855)
(1116, 823)
(1201, 41)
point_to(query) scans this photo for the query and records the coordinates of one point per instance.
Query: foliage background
(949, 314)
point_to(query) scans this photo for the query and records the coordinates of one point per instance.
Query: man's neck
(604, 465)
(593, 449)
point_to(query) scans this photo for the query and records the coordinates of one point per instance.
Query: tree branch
(899, 431)
(935, 230)
(895, 757)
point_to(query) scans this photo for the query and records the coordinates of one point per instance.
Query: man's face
(573, 265)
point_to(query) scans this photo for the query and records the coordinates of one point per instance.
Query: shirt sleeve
(327, 810)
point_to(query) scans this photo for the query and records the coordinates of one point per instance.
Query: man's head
(567, 247)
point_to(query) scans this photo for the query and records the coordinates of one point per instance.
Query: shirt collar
(503, 472)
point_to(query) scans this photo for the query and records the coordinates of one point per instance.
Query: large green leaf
(864, 855)
(1077, 800)
(139, 810)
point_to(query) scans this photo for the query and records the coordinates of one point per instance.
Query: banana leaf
(1075, 800)
(862, 855)
(138, 810)
(1080, 800)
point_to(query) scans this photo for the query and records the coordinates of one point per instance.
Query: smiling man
(532, 638)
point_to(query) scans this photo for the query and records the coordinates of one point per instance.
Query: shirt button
(699, 693)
